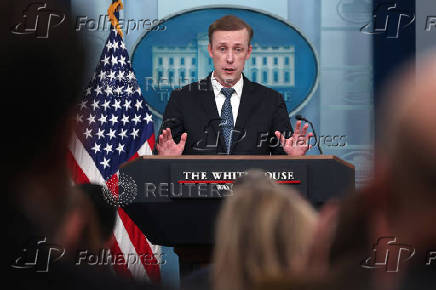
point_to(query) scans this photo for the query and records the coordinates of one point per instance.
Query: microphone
(301, 118)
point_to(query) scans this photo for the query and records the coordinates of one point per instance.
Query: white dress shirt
(235, 99)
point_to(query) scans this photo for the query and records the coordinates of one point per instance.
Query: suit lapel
(249, 99)
(207, 98)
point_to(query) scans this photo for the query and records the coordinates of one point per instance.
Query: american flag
(114, 125)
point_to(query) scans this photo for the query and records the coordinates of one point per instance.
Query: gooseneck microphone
(301, 118)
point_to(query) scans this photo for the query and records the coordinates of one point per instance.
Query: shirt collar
(217, 86)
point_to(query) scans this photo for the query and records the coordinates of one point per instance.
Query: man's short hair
(230, 23)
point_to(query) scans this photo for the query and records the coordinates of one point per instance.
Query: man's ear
(250, 49)
(209, 49)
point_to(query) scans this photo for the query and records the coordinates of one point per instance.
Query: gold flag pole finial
(115, 7)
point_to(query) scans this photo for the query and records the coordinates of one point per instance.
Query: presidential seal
(127, 191)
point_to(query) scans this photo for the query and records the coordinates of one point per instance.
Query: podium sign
(178, 198)
(215, 180)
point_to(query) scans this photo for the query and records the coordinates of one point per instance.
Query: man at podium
(226, 113)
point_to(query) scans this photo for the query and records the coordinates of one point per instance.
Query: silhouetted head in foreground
(264, 230)
(42, 87)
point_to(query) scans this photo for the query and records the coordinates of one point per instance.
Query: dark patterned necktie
(227, 117)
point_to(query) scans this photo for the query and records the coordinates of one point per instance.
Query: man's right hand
(166, 145)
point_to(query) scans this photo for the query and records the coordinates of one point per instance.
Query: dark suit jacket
(262, 111)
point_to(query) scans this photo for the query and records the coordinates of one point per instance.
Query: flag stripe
(122, 235)
(141, 246)
(76, 172)
(85, 162)
(146, 149)
(119, 263)
(151, 143)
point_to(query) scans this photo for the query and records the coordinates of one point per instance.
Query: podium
(178, 198)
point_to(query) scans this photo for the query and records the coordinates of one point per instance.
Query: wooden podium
(178, 198)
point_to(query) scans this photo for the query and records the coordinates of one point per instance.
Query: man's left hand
(298, 143)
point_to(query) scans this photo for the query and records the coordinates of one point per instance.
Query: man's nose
(230, 57)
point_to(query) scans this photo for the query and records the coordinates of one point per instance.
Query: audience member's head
(264, 230)
(43, 76)
(405, 184)
(82, 227)
(406, 155)
(105, 212)
(41, 89)
(409, 146)
(400, 201)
